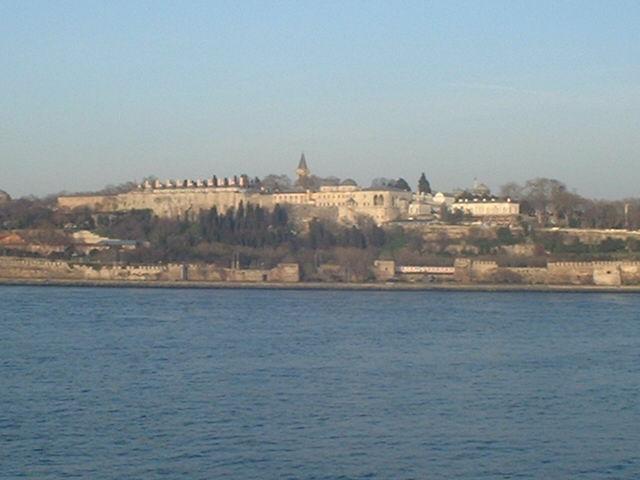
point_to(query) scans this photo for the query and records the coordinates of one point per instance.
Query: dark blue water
(134, 383)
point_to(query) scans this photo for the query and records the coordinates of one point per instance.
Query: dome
(349, 182)
(481, 189)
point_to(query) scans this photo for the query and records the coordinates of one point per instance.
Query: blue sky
(97, 93)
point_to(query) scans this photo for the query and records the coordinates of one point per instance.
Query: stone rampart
(384, 270)
(284, 272)
(93, 202)
(11, 267)
(462, 270)
(466, 271)
(570, 273)
(630, 273)
(170, 202)
(607, 275)
(202, 272)
(556, 273)
(483, 271)
(592, 236)
(38, 269)
(530, 275)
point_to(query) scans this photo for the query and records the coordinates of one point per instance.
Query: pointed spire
(303, 169)
(302, 165)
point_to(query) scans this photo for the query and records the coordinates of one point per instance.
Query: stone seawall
(11, 267)
(555, 273)
(466, 271)
(284, 272)
(38, 269)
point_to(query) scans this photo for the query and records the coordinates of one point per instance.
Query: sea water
(108, 383)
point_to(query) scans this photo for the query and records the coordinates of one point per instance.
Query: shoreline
(330, 286)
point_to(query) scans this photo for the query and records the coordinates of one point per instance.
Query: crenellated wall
(630, 273)
(38, 269)
(284, 272)
(201, 272)
(555, 273)
(467, 271)
(570, 273)
(11, 267)
(483, 271)
(530, 275)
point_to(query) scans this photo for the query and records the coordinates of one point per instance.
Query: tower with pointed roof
(303, 170)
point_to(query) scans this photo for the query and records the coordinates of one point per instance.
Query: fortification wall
(592, 273)
(174, 202)
(466, 271)
(530, 275)
(94, 202)
(384, 270)
(38, 269)
(462, 267)
(331, 272)
(202, 272)
(590, 235)
(284, 272)
(630, 273)
(556, 273)
(170, 202)
(11, 267)
(180, 202)
(607, 276)
(570, 273)
(483, 271)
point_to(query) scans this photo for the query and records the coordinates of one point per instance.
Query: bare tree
(274, 182)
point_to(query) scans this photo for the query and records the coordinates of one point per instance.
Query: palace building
(186, 198)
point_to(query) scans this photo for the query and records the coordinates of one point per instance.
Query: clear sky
(96, 93)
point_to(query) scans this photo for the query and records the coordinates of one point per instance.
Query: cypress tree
(423, 184)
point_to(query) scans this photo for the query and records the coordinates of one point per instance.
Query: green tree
(505, 237)
(401, 184)
(423, 184)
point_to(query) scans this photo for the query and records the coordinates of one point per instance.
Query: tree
(276, 182)
(540, 192)
(382, 182)
(319, 235)
(124, 187)
(423, 184)
(401, 184)
(505, 237)
(314, 182)
(330, 181)
(511, 190)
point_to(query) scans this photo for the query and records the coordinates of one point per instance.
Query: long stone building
(487, 206)
(344, 202)
(186, 198)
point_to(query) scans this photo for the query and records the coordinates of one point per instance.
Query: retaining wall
(38, 269)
